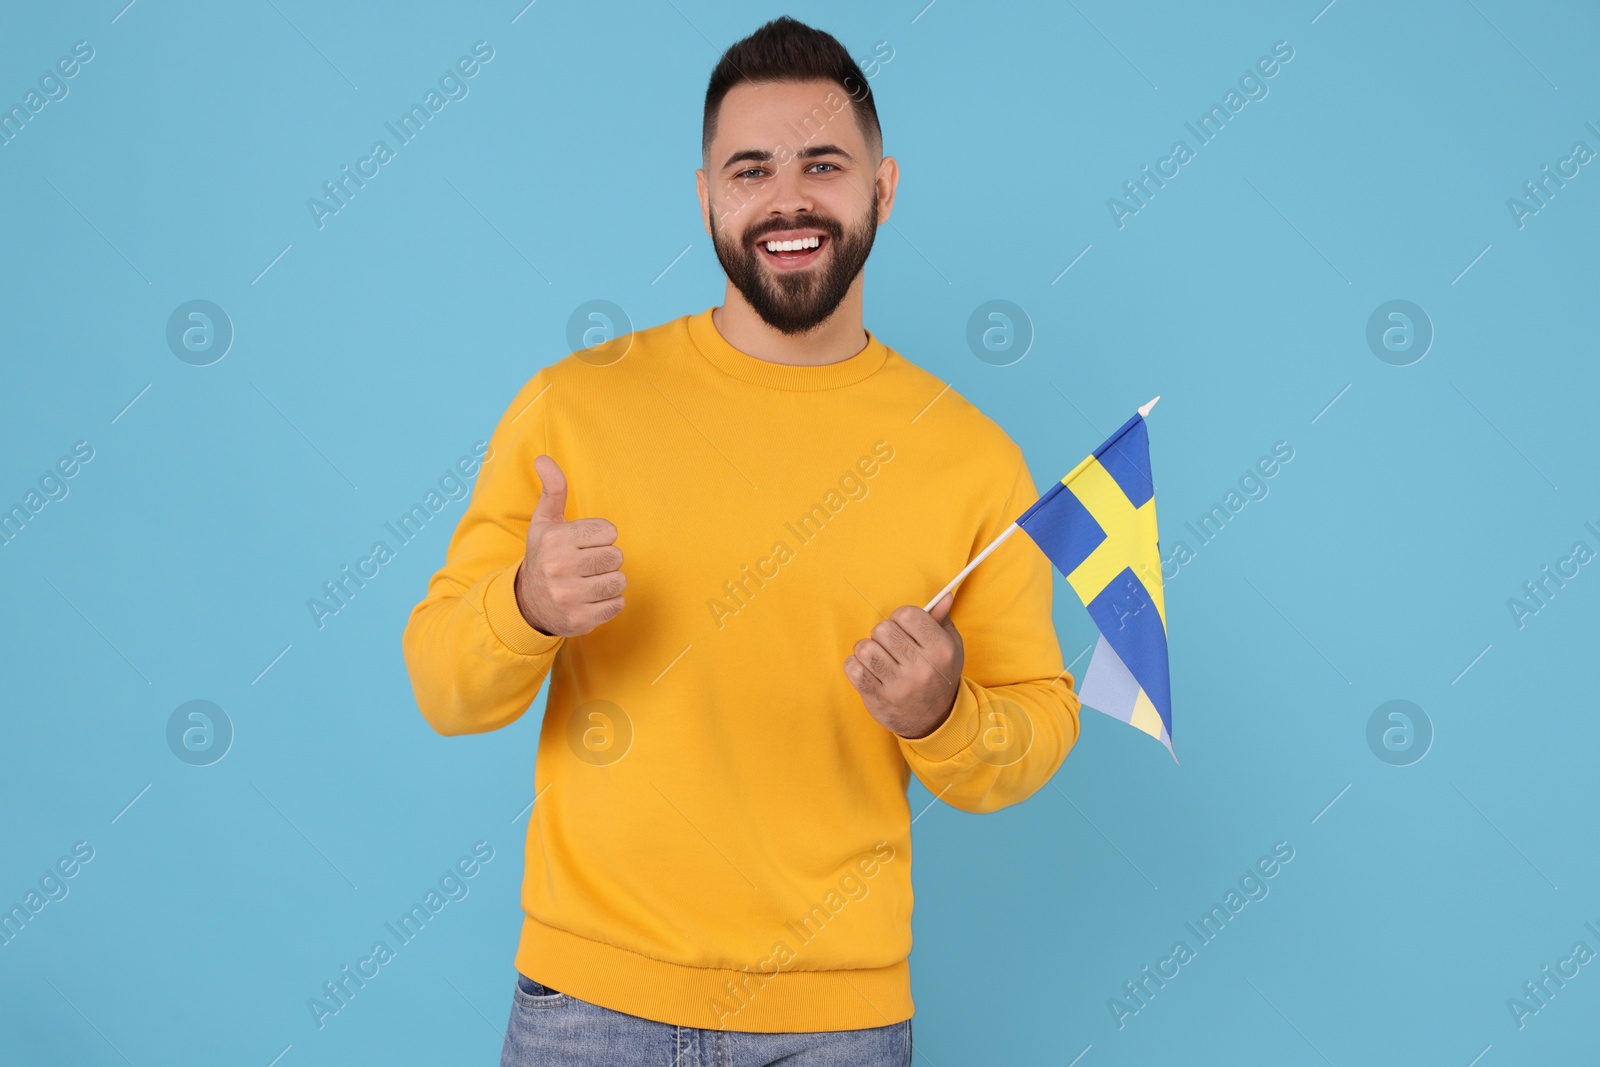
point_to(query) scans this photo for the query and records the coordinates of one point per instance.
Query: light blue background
(377, 349)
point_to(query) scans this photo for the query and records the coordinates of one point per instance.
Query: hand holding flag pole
(1098, 526)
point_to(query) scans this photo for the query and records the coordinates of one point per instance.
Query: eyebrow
(761, 155)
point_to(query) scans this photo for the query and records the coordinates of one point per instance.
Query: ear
(887, 181)
(703, 191)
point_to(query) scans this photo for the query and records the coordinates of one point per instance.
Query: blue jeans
(551, 1029)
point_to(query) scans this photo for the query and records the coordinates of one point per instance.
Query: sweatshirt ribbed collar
(712, 345)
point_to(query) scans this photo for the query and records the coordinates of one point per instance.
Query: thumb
(552, 505)
(941, 611)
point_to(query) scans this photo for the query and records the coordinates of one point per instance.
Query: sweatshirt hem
(748, 1000)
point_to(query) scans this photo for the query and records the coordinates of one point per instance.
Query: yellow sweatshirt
(722, 837)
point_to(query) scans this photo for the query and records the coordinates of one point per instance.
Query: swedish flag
(1098, 526)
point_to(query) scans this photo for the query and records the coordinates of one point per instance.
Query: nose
(789, 195)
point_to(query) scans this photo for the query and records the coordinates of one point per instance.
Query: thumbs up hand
(569, 581)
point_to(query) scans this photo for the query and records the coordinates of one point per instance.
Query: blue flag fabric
(1098, 526)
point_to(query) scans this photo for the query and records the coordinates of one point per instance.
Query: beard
(797, 301)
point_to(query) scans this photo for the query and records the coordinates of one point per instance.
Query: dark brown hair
(786, 50)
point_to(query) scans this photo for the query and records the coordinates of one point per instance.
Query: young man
(719, 855)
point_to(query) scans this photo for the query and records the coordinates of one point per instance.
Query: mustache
(800, 222)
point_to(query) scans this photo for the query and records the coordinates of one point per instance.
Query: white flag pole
(979, 558)
(1144, 412)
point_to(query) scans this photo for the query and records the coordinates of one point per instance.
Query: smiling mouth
(793, 254)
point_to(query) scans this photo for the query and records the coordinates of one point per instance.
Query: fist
(569, 581)
(908, 671)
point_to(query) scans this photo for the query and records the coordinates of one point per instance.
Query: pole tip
(1144, 412)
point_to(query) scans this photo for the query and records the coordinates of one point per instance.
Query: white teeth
(794, 246)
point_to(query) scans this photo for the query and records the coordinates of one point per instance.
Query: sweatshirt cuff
(955, 734)
(505, 617)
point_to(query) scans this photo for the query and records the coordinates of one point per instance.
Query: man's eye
(749, 172)
(834, 166)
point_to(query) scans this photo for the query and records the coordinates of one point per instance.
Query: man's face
(789, 163)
